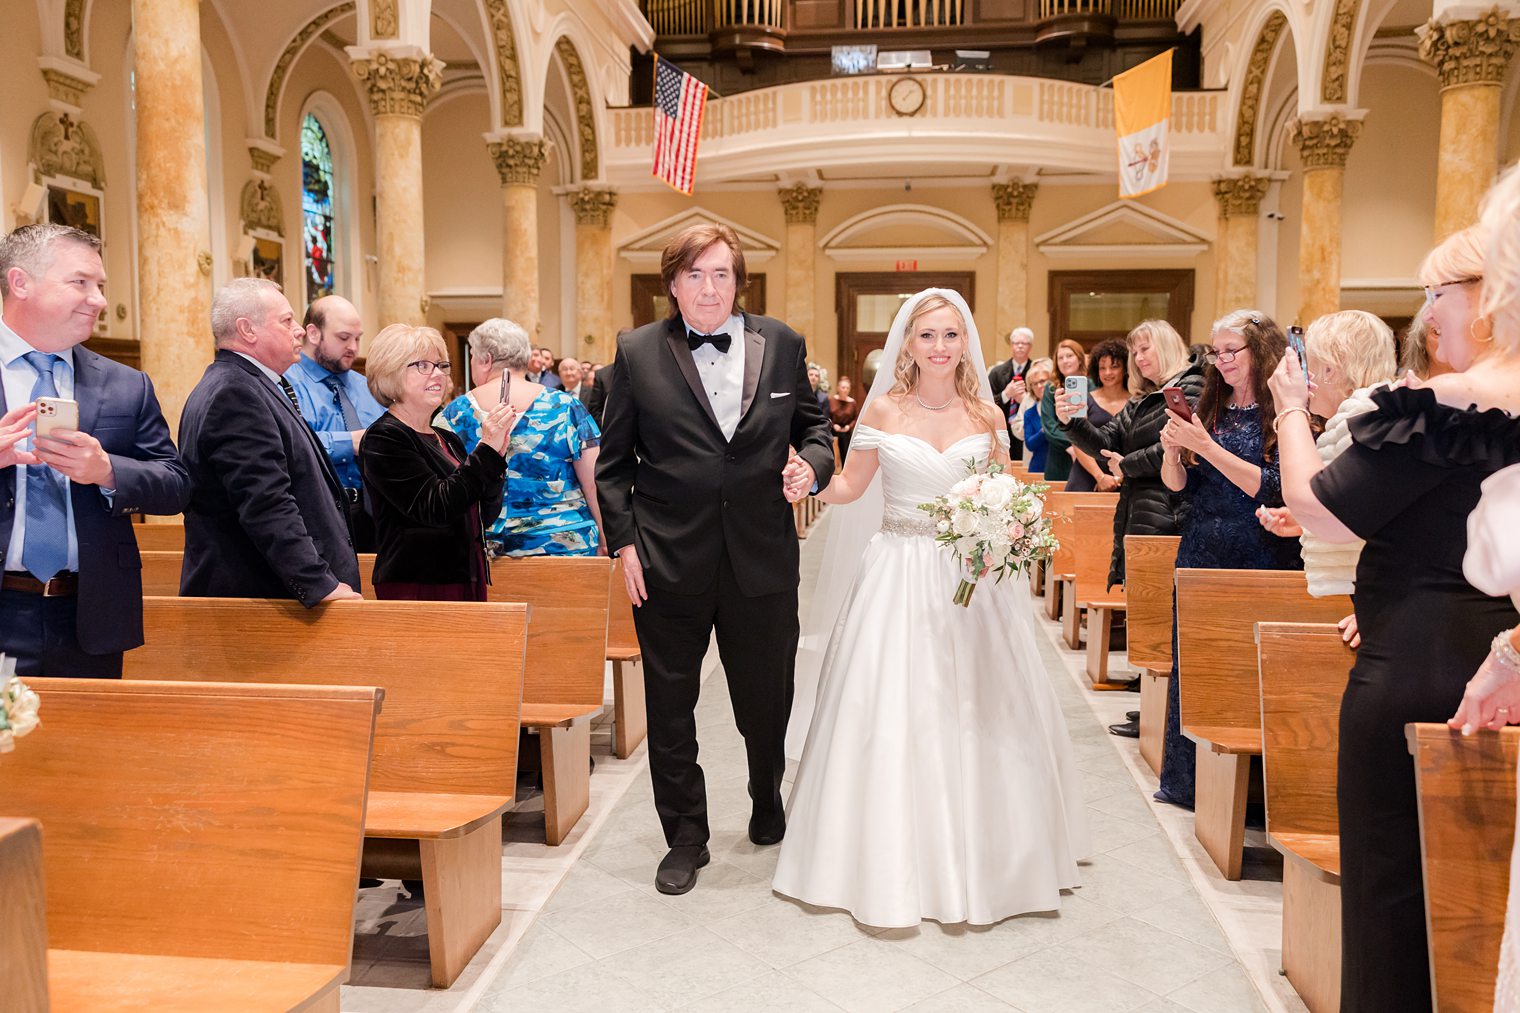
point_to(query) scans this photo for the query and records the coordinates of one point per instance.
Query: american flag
(679, 100)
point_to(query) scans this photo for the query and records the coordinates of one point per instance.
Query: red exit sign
(907, 265)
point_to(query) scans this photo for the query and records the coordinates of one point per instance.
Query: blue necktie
(45, 548)
(345, 406)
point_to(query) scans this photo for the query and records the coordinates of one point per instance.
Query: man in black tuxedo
(711, 429)
(268, 517)
(71, 602)
(1007, 380)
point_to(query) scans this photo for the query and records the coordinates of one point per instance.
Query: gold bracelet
(1289, 411)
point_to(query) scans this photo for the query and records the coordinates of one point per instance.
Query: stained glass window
(316, 209)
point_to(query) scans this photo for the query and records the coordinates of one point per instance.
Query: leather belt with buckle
(352, 494)
(65, 585)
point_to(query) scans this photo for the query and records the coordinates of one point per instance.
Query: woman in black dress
(1406, 485)
(1108, 393)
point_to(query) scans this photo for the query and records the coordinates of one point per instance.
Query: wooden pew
(567, 657)
(1149, 562)
(630, 723)
(167, 537)
(1062, 570)
(1467, 831)
(1217, 613)
(201, 842)
(23, 926)
(445, 765)
(1304, 669)
(1093, 529)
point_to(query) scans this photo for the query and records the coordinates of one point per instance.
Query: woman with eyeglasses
(1413, 473)
(550, 506)
(1222, 460)
(428, 495)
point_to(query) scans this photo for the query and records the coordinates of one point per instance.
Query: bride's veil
(851, 525)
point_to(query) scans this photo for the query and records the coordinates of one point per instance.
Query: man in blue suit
(72, 596)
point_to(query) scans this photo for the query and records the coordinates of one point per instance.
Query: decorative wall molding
(261, 207)
(1471, 52)
(643, 249)
(64, 146)
(800, 203)
(1253, 86)
(68, 81)
(1338, 50)
(1014, 200)
(399, 85)
(288, 56)
(382, 19)
(1127, 229)
(585, 112)
(73, 29)
(519, 159)
(509, 73)
(958, 237)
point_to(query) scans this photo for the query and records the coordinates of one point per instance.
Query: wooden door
(866, 304)
(1091, 306)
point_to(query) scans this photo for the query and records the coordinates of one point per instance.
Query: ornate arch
(585, 110)
(509, 73)
(288, 57)
(73, 29)
(1253, 85)
(1338, 50)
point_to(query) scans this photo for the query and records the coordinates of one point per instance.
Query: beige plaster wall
(26, 98)
(554, 330)
(108, 110)
(461, 195)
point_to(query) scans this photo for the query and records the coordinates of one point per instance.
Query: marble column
(1323, 144)
(173, 227)
(1239, 200)
(1014, 201)
(593, 273)
(399, 87)
(519, 161)
(800, 204)
(1471, 57)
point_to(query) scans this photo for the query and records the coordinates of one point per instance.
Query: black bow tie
(721, 342)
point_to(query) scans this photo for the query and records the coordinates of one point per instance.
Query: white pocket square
(781, 393)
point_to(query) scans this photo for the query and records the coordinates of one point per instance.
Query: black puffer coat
(1146, 505)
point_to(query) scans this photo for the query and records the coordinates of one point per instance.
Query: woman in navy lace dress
(1224, 463)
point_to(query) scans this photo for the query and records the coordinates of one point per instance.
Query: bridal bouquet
(18, 707)
(994, 524)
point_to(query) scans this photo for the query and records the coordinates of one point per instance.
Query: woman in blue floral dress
(1224, 463)
(550, 506)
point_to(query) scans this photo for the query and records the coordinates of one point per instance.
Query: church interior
(442, 162)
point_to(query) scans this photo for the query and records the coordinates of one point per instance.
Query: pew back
(166, 537)
(1466, 787)
(1304, 669)
(170, 808)
(452, 673)
(1061, 507)
(1149, 562)
(23, 924)
(567, 640)
(1217, 613)
(1093, 535)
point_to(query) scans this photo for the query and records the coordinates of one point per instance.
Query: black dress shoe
(677, 873)
(768, 829)
(1132, 715)
(1129, 729)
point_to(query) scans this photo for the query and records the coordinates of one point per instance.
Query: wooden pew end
(630, 724)
(564, 745)
(1153, 717)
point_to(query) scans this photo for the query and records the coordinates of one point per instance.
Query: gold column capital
(593, 207)
(519, 159)
(262, 158)
(800, 203)
(1240, 196)
(1324, 143)
(399, 85)
(1014, 200)
(1470, 51)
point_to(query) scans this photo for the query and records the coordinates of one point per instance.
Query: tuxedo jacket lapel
(675, 339)
(754, 358)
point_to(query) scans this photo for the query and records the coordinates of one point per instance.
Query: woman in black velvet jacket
(429, 498)
(1130, 444)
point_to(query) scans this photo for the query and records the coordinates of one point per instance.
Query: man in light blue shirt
(335, 401)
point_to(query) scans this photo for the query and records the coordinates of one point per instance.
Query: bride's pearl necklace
(933, 407)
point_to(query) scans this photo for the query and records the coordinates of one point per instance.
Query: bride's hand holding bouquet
(993, 523)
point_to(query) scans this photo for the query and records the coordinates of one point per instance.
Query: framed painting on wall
(268, 260)
(75, 204)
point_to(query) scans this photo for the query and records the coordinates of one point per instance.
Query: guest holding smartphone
(429, 496)
(1070, 360)
(1108, 393)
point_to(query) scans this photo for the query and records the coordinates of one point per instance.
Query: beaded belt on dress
(902, 524)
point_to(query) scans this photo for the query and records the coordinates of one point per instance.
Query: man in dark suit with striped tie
(268, 517)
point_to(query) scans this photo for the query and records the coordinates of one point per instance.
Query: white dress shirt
(722, 375)
(19, 379)
(269, 374)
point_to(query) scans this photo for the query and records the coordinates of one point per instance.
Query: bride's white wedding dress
(937, 780)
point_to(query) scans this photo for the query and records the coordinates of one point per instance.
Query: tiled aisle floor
(1137, 935)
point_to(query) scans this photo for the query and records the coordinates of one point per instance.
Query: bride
(937, 779)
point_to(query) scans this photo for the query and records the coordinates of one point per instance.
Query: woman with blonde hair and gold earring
(937, 778)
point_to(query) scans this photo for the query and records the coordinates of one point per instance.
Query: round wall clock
(906, 96)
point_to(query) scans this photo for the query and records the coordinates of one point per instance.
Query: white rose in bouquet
(965, 522)
(994, 524)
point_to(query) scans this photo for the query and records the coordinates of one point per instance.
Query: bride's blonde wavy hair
(967, 383)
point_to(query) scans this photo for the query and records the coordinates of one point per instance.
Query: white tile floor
(1152, 929)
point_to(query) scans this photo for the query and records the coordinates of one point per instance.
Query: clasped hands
(1185, 434)
(797, 478)
(77, 456)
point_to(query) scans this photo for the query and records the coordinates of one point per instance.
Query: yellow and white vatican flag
(1143, 119)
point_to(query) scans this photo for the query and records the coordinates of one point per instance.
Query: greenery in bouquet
(994, 524)
(18, 711)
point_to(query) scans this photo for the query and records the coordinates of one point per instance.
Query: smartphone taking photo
(1177, 402)
(506, 387)
(1296, 342)
(1076, 396)
(55, 413)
